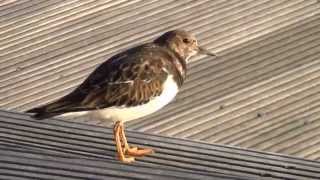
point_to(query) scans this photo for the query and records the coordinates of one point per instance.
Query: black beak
(204, 51)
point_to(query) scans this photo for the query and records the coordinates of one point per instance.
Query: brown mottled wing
(131, 83)
(127, 79)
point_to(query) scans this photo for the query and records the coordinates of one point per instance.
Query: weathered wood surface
(55, 149)
(262, 93)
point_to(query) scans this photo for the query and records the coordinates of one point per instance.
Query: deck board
(60, 149)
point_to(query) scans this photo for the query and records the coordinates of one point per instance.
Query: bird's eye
(185, 40)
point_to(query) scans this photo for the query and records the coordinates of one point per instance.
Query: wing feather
(130, 78)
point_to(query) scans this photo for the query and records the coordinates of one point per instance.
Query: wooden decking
(261, 93)
(55, 149)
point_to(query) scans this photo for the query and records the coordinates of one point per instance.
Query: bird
(131, 84)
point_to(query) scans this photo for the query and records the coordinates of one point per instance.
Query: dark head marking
(182, 43)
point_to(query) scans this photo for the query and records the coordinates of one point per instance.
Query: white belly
(124, 114)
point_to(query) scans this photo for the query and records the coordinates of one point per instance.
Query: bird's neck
(179, 63)
(180, 66)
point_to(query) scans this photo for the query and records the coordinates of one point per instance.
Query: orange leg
(123, 147)
(120, 150)
(134, 151)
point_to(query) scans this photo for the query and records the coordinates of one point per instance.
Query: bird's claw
(138, 152)
(126, 159)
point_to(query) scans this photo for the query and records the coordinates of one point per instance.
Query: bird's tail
(41, 113)
(50, 110)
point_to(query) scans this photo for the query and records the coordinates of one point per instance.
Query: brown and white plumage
(131, 84)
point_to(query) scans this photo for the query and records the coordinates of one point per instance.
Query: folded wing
(127, 79)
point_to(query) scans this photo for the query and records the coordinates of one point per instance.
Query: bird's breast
(170, 89)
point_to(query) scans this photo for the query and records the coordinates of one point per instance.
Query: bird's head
(182, 43)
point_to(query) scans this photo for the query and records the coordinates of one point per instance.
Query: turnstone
(130, 85)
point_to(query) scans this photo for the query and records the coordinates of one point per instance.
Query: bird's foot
(126, 153)
(131, 153)
(138, 152)
(126, 159)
